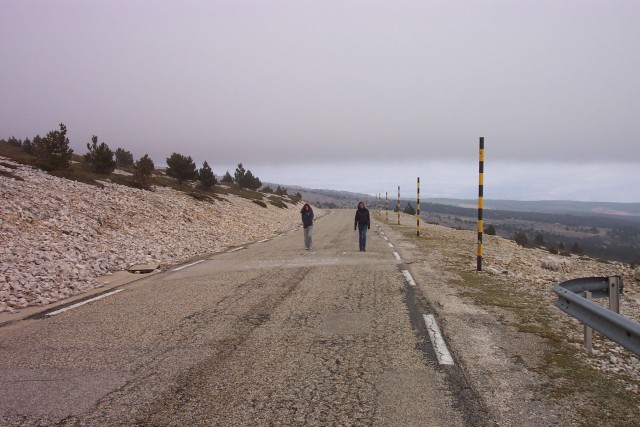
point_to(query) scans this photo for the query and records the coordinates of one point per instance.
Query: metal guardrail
(608, 322)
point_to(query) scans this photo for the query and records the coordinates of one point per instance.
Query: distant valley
(609, 231)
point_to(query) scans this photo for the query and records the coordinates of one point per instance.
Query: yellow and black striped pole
(398, 205)
(386, 206)
(418, 211)
(480, 203)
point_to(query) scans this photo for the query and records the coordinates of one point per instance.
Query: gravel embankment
(59, 235)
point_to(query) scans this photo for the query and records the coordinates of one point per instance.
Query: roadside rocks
(557, 264)
(59, 235)
(534, 272)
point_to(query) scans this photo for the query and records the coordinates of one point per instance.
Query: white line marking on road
(263, 240)
(188, 265)
(62, 310)
(397, 255)
(390, 245)
(236, 249)
(407, 276)
(386, 238)
(442, 353)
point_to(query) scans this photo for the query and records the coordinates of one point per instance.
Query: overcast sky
(349, 95)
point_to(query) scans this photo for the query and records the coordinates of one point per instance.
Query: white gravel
(59, 235)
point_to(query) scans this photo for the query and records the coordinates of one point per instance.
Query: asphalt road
(270, 334)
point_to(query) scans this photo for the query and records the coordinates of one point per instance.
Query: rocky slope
(59, 235)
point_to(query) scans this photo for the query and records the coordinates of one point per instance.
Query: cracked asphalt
(268, 335)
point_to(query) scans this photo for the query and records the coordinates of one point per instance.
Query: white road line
(390, 245)
(407, 276)
(263, 240)
(397, 255)
(188, 265)
(442, 353)
(62, 310)
(236, 249)
(386, 238)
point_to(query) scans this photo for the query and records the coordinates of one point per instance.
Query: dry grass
(599, 398)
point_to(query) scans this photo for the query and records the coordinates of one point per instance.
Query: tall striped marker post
(386, 206)
(398, 205)
(418, 211)
(480, 203)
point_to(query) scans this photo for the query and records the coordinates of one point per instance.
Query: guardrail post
(614, 294)
(588, 331)
(572, 299)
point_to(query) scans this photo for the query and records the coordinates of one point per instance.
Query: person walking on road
(307, 224)
(362, 224)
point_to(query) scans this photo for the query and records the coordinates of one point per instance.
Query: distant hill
(332, 199)
(550, 206)
(346, 199)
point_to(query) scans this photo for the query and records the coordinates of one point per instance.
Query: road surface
(268, 334)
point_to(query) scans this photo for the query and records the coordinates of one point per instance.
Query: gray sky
(355, 95)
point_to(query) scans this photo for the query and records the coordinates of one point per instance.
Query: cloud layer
(286, 82)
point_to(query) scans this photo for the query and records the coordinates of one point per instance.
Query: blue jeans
(362, 236)
(307, 236)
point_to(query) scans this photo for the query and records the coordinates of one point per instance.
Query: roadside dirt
(521, 354)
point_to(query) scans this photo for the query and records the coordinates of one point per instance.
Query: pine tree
(239, 175)
(27, 146)
(206, 177)
(53, 150)
(100, 157)
(143, 169)
(123, 157)
(227, 178)
(409, 209)
(521, 238)
(180, 167)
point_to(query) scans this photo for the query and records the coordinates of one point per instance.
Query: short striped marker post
(480, 203)
(418, 211)
(398, 205)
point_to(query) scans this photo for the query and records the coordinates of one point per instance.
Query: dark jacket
(362, 217)
(307, 218)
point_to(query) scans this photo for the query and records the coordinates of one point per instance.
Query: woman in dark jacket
(307, 224)
(362, 224)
